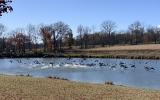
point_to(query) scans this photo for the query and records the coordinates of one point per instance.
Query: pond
(133, 73)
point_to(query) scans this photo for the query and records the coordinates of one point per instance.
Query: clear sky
(85, 12)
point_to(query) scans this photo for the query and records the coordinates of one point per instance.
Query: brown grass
(129, 47)
(146, 51)
(27, 88)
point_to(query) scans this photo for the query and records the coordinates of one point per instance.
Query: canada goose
(147, 68)
(51, 63)
(36, 62)
(102, 64)
(123, 66)
(133, 66)
(11, 61)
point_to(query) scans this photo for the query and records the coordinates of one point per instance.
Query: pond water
(134, 73)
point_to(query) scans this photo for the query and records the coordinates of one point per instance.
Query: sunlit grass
(28, 88)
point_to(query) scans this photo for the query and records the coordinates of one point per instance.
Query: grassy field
(129, 47)
(147, 51)
(27, 88)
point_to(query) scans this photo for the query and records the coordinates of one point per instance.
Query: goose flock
(78, 63)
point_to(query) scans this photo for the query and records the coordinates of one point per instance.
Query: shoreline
(148, 51)
(30, 88)
(65, 79)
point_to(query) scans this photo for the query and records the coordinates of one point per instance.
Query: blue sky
(85, 12)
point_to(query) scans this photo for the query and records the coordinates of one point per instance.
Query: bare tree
(86, 31)
(19, 38)
(2, 30)
(70, 40)
(33, 35)
(59, 30)
(93, 29)
(154, 34)
(80, 30)
(157, 30)
(137, 30)
(30, 31)
(108, 27)
(46, 37)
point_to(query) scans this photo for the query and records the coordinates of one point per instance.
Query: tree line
(58, 37)
(108, 36)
